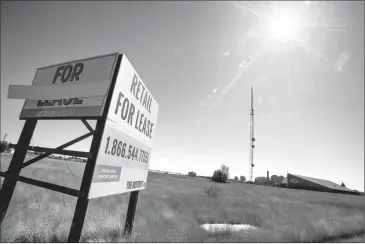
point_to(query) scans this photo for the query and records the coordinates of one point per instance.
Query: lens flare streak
(228, 87)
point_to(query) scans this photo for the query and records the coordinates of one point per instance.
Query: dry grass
(172, 208)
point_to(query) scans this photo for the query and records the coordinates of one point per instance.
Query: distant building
(284, 182)
(261, 181)
(308, 183)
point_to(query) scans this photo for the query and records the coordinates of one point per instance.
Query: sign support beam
(73, 153)
(7, 189)
(132, 206)
(82, 201)
(88, 126)
(56, 150)
(46, 185)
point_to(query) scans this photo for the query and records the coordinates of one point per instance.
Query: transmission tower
(252, 138)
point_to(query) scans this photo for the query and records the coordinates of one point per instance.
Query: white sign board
(125, 150)
(76, 77)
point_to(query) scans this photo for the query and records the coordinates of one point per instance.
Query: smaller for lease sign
(74, 77)
(125, 150)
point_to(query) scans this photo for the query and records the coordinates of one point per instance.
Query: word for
(135, 184)
(69, 72)
(119, 149)
(60, 102)
(128, 110)
(145, 99)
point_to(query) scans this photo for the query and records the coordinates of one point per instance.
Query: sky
(199, 60)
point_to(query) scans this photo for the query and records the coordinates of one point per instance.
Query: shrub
(4, 147)
(242, 178)
(236, 178)
(276, 180)
(221, 175)
(218, 176)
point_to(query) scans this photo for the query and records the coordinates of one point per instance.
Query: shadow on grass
(341, 237)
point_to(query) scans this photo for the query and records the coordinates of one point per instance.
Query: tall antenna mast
(252, 138)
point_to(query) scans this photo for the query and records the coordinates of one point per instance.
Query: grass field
(172, 208)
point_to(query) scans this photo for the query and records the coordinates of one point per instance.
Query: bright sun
(282, 26)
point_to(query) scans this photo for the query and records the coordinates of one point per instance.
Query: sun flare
(283, 26)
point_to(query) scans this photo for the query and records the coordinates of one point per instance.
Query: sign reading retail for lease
(106, 89)
(125, 149)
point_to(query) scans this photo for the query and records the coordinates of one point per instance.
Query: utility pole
(4, 137)
(252, 138)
